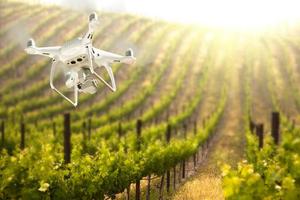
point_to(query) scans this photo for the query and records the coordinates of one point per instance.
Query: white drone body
(78, 59)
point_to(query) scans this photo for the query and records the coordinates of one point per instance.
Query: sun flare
(218, 13)
(228, 13)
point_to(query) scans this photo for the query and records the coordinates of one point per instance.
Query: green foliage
(38, 172)
(272, 172)
(106, 164)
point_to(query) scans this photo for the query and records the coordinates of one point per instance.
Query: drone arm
(44, 51)
(90, 58)
(90, 53)
(107, 67)
(93, 22)
(104, 58)
(89, 35)
(53, 68)
(114, 58)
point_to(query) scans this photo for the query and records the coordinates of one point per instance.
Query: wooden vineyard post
(195, 156)
(161, 187)
(22, 130)
(203, 150)
(84, 130)
(260, 135)
(195, 127)
(138, 147)
(183, 169)
(120, 130)
(67, 138)
(275, 125)
(138, 133)
(89, 128)
(174, 179)
(168, 138)
(2, 134)
(206, 147)
(184, 130)
(84, 135)
(54, 128)
(180, 163)
(207, 140)
(128, 192)
(183, 162)
(148, 187)
(252, 126)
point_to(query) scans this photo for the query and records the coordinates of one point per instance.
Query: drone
(78, 60)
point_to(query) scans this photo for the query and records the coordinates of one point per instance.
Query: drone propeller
(93, 17)
(93, 23)
(129, 52)
(30, 43)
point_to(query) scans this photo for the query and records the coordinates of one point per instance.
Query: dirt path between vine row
(226, 147)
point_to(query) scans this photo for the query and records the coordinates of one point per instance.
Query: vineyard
(203, 113)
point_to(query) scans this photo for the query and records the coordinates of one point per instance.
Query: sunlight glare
(218, 13)
(226, 13)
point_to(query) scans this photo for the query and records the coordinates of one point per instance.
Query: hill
(191, 93)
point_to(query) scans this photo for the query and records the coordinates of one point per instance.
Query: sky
(224, 13)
